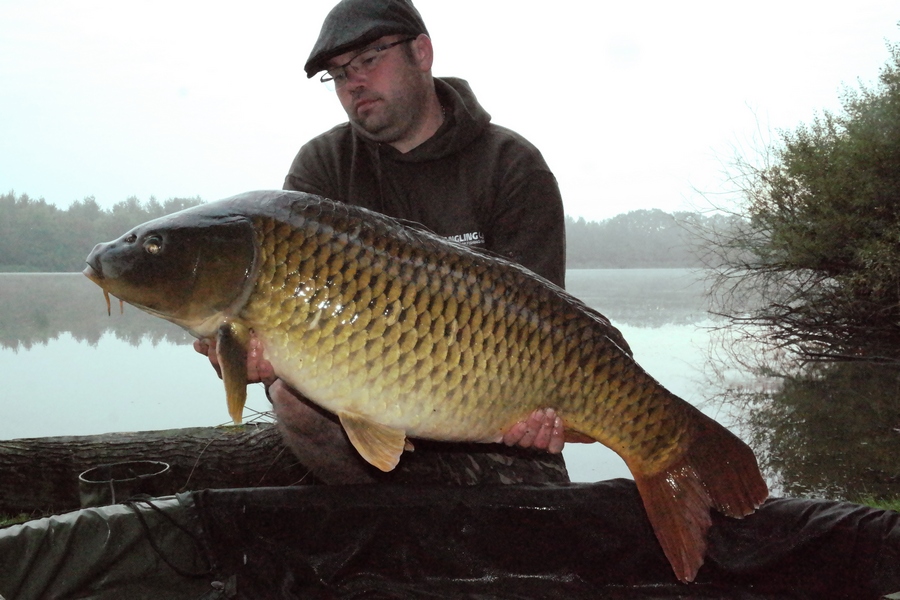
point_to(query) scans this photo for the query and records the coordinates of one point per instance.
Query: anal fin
(379, 444)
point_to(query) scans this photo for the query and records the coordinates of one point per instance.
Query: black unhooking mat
(572, 541)
(575, 541)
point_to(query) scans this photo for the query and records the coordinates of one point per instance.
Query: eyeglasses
(364, 62)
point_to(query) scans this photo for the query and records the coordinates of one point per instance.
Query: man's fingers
(523, 433)
(201, 346)
(557, 437)
(533, 426)
(551, 435)
(512, 436)
(258, 368)
(207, 347)
(543, 430)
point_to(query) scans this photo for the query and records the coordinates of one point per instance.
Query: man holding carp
(420, 149)
(411, 340)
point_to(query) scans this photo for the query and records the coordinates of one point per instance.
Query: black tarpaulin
(392, 541)
(574, 541)
(107, 553)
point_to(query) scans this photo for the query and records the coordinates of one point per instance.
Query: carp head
(194, 267)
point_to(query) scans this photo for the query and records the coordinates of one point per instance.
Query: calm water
(69, 369)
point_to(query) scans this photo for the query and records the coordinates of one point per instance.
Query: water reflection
(40, 307)
(641, 297)
(69, 368)
(833, 432)
(139, 373)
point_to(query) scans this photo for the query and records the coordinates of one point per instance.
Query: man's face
(387, 102)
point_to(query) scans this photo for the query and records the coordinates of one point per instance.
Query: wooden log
(40, 475)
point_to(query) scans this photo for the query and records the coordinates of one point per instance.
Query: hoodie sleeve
(528, 226)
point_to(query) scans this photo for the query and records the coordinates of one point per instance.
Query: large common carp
(404, 334)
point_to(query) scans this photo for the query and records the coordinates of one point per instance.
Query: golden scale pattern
(393, 320)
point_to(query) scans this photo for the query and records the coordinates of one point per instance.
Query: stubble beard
(380, 124)
(391, 119)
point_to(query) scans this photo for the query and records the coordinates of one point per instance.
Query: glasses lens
(333, 82)
(364, 62)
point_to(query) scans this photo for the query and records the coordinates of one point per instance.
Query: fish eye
(153, 244)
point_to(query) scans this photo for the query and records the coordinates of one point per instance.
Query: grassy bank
(885, 503)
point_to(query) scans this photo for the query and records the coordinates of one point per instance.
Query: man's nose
(355, 79)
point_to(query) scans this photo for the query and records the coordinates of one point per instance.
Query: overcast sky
(633, 104)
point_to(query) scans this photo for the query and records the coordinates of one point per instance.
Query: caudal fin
(717, 470)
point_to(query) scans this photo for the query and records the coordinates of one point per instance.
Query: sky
(634, 105)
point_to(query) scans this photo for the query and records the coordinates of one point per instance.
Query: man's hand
(258, 368)
(543, 430)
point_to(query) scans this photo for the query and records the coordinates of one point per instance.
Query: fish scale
(403, 334)
(403, 319)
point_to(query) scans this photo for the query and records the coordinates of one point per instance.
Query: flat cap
(355, 23)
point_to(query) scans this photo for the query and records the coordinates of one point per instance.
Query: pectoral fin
(379, 444)
(231, 349)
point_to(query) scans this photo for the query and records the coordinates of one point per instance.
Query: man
(421, 149)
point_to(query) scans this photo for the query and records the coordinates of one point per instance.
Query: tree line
(807, 281)
(36, 236)
(639, 239)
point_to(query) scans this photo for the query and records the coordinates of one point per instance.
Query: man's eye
(366, 61)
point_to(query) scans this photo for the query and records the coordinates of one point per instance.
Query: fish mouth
(93, 273)
(94, 269)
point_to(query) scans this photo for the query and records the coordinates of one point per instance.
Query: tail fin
(716, 470)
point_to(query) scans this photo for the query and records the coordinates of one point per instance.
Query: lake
(71, 369)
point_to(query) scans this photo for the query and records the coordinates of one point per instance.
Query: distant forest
(36, 236)
(637, 239)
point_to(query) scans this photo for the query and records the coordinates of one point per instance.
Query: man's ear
(422, 52)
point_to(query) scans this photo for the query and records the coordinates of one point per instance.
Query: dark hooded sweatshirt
(472, 181)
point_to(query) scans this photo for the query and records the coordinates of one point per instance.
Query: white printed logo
(468, 239)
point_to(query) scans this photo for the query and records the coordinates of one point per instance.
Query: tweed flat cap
(355, 23)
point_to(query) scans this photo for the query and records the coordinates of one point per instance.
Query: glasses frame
(331, 82)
